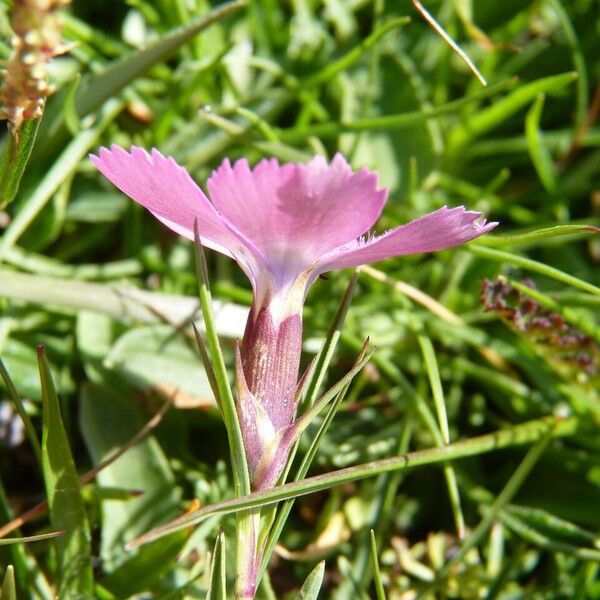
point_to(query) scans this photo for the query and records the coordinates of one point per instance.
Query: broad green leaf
(310, 588)
(9, 589)
(75, 577)
(15, 155)
(108, 421)
(158, 357)
(122, 302)
(217, 587)
(143, 570)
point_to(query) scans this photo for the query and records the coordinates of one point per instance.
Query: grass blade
(9, 589)
(484, 120)
(540, 156)
(533, 265)
(505, 496)
(30, 538)
(219, 372)
(15, 156)
(440, 406)
(533, 237)
(121, 73)
(217, 588)
(16, 400)
(524, 433)
(310, 588)
(62, 168)
(379, 591)
(326, 352)
(64, 496)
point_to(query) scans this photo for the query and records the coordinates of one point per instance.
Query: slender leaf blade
(310, 588)
(9, 589)
(15, 156)
(64, 496)
(122, 72)
(217, 588)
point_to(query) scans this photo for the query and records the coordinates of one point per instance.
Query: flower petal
(438, 230)
(296, 212)
(166, 189)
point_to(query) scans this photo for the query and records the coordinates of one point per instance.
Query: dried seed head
(36, 41)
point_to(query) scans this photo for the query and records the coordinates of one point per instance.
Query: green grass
(463, 461)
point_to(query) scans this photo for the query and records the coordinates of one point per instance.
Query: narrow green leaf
(13, 161)
(390, 122)
(379, 591)
(329, 345)
(72, 120)
(75, 577)
(241, 476)
(122, 72)
(227, 402)
(558, 529)
(310, 588)
(524, 433)
(533, 265)
(30, 538)
(440, 406)
(353, 55)
(538, 235)
(9, 589)
(541, 539)
(304, 421)
(503, 498)
(217, 587)
(540, 155)
(62, 168)
(16, 400)
(578, 58)
(488, 118)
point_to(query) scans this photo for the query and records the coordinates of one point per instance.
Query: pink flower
(284, 225)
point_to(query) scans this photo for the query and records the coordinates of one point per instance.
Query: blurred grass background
(291, 79)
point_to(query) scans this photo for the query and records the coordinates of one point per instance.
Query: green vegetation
(463, 461)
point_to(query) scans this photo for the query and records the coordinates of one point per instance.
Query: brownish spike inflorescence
(35, 42)
(571, 351)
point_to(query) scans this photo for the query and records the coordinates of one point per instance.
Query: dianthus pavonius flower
(284, 225)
